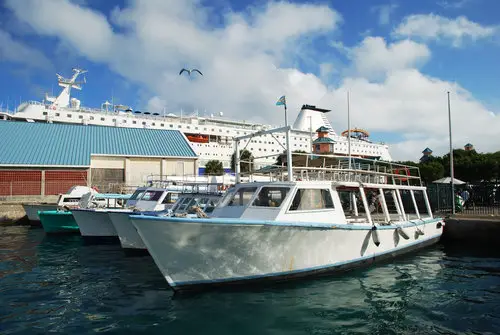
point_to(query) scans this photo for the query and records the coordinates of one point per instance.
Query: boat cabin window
(152, 195)
(170, 198)
(137, 195)
(311, 199)
(271, 196)
(242, 196)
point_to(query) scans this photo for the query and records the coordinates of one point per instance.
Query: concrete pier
(12, 213)
(472, 229)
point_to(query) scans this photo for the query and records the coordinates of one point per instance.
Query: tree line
(469, 166)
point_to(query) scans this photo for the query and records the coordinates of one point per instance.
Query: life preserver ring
(406, 173)
(53, 107)
(222, 187)
(95, 188)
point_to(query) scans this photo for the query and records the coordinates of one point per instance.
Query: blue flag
(281, 101)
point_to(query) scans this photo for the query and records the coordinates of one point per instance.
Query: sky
(397, 60)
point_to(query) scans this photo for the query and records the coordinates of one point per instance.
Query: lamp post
(452, 175)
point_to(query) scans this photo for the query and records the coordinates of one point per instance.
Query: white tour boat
(329, 214)
(95, 222)
(69, 199)
(205, 198)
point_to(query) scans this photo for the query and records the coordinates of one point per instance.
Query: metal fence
(484, 198)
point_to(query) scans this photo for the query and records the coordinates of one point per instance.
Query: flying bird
(190, 71)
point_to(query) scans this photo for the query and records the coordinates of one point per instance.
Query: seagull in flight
(190, 71)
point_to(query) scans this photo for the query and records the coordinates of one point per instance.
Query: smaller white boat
(185, 204)
(91, 216)
(69, 199)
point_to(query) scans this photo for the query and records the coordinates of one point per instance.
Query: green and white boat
(57, 222)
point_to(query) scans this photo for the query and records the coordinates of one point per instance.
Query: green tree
(214, 168)
(430, 171)
(246, 156)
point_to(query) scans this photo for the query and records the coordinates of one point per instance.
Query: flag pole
(288, 148)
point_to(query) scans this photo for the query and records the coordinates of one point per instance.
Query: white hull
(32, 210)
(94, 223)
(129, 238)
(200, 252)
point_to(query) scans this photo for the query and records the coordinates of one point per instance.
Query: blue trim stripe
(232, 221)
(311, 269)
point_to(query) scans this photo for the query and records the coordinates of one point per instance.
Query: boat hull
(198, 253)
(58, 222)
(129, 238)
(94, 223)
(33, 209)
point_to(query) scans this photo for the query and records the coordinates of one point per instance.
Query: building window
(311, 199)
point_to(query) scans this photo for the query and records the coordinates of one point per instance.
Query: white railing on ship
(361, 170)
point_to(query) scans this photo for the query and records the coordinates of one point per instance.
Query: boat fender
(439, 225)
(402, 233)
(376, 240)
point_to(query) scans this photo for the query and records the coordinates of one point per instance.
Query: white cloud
(147, 42)
(435, 27)
(17, 52)
(453, 4)
(385, 12)
(373, 58)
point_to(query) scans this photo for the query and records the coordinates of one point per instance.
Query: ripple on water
(62, 284)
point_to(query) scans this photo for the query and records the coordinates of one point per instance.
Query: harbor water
(61, 284)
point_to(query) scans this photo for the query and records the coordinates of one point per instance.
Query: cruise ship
(211, 137)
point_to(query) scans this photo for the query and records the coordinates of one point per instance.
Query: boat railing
(314, 167)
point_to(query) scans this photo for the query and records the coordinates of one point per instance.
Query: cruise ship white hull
(193, 253)
(129, 238)
(94, 223)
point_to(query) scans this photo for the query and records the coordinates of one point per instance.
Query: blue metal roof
(30, 143)
(323, 140)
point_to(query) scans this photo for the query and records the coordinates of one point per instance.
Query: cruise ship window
(114, 120)
(220, 130)
(204, 128)
(153, 124)
(134, 122)
(91, 117)
(179, 126)
(162, 124)
(188, 127)
(68, 115)
(102, 119)
(213, 129)
(44, 113)
(57, 114)
(144, 123)
(171, 126)
(124, 121)
(196, 128)
(80, 116)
